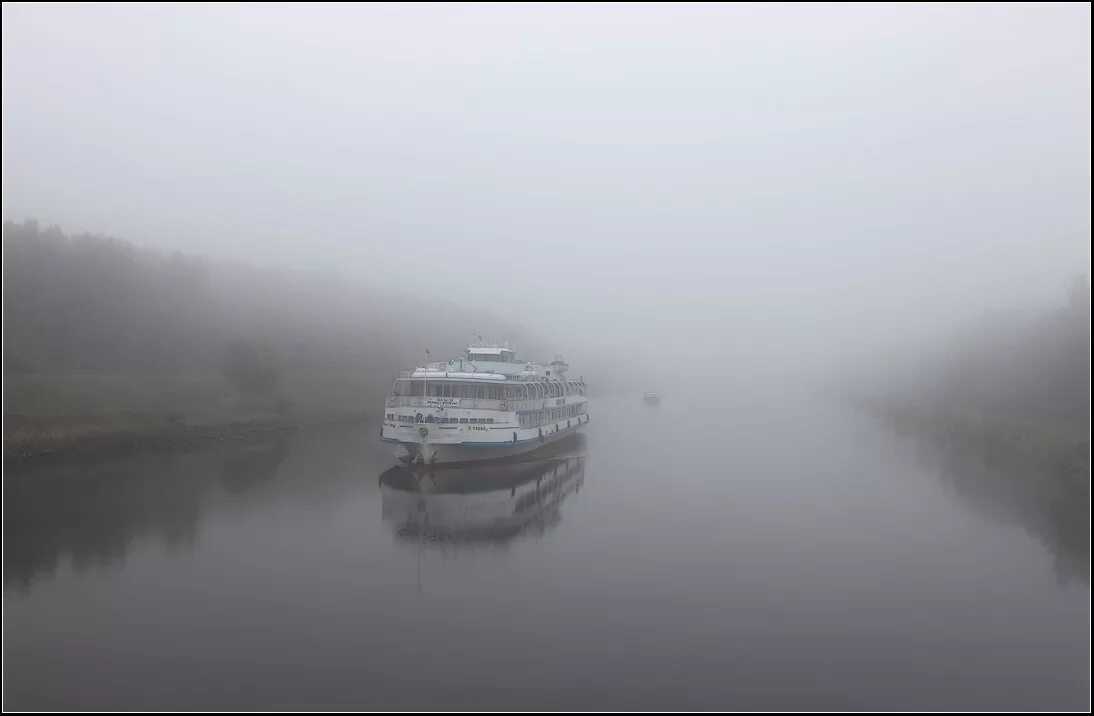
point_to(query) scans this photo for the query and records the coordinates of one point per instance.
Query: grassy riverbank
(1011, 388)
(1058, 454)
(1032, 473)
(85, 412)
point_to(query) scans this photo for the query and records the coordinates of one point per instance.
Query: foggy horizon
(674, 170)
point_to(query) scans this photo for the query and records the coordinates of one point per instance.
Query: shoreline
(1059, 453)
(1032, 474)
(113, 442)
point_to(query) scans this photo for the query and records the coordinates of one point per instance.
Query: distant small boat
(651, 398)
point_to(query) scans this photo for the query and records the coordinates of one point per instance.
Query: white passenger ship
(485, 405)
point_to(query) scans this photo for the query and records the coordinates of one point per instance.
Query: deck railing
(415, 401)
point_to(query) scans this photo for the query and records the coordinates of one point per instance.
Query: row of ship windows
(431, 419)
(527, 420)
(503, 357)
(542, 417)
(487, 391)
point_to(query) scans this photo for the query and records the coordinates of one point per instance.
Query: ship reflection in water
(485, 503)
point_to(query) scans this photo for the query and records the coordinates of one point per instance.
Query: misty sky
(783, 176)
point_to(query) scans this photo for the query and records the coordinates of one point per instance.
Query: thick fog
(782, 186)
(821, 271)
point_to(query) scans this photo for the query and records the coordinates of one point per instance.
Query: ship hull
(459, 454)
